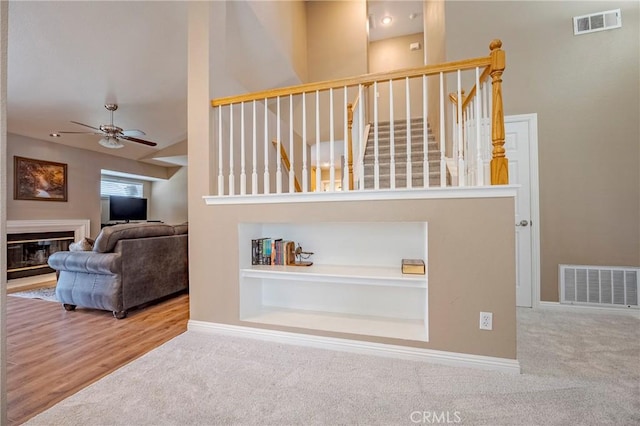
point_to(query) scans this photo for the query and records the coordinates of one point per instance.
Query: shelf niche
(354, 286)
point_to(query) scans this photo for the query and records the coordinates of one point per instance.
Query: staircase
(400, 155)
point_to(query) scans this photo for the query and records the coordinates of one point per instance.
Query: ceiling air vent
(597, 22)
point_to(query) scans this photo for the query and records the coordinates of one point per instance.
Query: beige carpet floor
(577, 369)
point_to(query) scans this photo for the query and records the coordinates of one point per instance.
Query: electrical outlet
(486, 321)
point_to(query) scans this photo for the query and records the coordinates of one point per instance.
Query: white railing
(297, 120)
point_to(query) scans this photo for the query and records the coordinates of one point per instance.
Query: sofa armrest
(86, 261)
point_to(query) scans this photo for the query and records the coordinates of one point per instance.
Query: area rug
(45, 293)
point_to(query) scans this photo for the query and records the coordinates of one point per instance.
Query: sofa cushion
(183, 228)
(110, 235)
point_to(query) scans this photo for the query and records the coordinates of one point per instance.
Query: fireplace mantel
(80, 227)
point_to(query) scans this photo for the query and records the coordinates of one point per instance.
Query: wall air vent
(609, 286)
(597, 22)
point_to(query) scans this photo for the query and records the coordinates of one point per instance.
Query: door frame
(534, 201)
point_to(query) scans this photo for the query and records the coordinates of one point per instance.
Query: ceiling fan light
(112, 143)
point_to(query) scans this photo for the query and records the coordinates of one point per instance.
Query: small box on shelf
(413, 266)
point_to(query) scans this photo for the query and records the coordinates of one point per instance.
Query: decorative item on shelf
(413, 266)
(300, 257)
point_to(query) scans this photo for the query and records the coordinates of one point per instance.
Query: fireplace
(30, 242)
(27, 253)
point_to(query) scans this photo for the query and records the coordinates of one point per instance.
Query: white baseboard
(361, 347)
(634, 312)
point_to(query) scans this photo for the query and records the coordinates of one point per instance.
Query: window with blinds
(123, 187)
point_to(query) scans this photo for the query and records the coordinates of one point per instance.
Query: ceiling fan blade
(142, 141)
(86, 125)
(133, 132)
(80, 133)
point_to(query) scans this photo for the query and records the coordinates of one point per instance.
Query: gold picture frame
(39, 180)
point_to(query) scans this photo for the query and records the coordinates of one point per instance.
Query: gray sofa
(130, 265)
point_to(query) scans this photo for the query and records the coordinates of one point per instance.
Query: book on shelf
(269, 251)
(413, 266)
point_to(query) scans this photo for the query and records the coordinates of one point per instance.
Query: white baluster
(232, 190)
(489, 146)
(292, 174)
(486, 137)
(278, 154)
(392, 141)
(220, 162)
(409, 165)
(332, 170)
(345, 166)
(361, 137)
(243, 175)
(461, 171)
(425, 135)
(376, 163)
(454, 134)
(267, 178)
(443, 165)
(318, 169)
(479, 167)
(254, 173)
(305, 179)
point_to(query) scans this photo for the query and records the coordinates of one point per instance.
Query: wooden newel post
(350, 142)
(499, 162)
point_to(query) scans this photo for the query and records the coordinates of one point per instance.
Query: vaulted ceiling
(67, 59)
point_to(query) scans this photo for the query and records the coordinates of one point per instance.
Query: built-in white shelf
(355, 285)
(362, 275)
(344, 323)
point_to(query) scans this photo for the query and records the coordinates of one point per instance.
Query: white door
(521, 150)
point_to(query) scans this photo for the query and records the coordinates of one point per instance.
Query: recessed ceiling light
(413, 15)
(386, 20)
(54, 135)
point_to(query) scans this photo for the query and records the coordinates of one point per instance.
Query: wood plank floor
(52, 353)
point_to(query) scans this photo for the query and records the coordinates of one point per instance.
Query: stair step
(416, 169)
(402, 157)
(400, 133)
(401, 182)
(398, 150)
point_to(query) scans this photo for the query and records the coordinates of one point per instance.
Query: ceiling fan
(111, 134)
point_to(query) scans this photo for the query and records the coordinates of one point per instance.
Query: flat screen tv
(127, 208)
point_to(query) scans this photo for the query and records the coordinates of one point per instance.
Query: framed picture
(39, 180)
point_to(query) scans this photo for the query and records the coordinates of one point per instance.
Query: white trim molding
(80, 227)
(361, 347)
(491, 191)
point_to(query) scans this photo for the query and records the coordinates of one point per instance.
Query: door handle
(523, 223)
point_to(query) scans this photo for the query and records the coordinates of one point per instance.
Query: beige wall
(435, 52)
(459, 230)
(585, 90)
(168, 198)
(336, 39)
(393, 54)
(468, 269)
(83, 186)
(286, 21)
